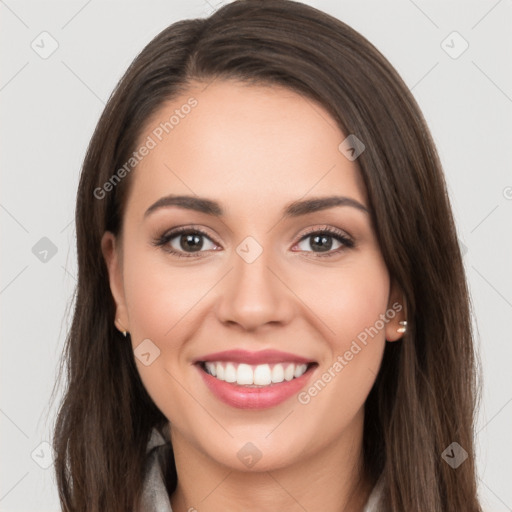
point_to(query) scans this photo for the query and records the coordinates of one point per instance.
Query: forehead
(244, 145)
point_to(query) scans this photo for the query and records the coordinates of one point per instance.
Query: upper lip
(262, 357)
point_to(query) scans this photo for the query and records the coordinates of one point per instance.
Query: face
(264, 321)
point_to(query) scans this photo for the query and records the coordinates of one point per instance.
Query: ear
(396, 304)
(111, 250)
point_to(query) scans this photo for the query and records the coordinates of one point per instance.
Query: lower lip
(244, 397)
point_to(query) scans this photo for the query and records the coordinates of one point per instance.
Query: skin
(254, 149)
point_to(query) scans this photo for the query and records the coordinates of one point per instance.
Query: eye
(185, 241)
(321, 241)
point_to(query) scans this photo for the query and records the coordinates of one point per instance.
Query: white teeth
(278, 373)
(230, 373)
(262, 375)
(258, 375)
(211, 367)
(219, 369)
(244, 374)
(289, 372)
(299, 370)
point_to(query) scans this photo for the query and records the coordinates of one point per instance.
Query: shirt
(155, 497)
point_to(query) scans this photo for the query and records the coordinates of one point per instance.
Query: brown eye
(185, 242)
(328, 241)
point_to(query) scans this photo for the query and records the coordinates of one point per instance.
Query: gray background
(51, 105)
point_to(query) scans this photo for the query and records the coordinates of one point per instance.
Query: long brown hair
(425, 393)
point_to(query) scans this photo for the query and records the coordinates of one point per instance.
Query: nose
(255, 294)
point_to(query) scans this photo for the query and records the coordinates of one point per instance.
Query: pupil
(320, 241)
(191, 241)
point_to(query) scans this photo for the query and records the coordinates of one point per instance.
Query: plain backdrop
(60, 62)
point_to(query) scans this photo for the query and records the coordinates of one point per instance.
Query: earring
(403, 323)
(122, 330)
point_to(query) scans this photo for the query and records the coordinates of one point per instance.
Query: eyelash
(161, 241)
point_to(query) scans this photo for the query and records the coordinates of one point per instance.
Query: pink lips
(254, 397)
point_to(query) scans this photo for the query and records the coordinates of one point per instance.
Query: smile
(254, 380)
(255, 375)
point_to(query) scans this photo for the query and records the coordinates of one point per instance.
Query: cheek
(351, 304)
(163, 301)
(161, 297)
(160, 302)
(348, 299)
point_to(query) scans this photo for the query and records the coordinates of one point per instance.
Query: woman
(271, 310)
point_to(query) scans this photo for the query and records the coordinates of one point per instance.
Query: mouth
(254, 380)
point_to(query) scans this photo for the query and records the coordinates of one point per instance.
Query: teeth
(258, 375)
(262, 375)
(212, 369)
(278, 373)
(244, 374)
(230, 373)
(289, 372)
(299, 370)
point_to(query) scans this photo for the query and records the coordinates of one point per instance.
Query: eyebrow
(293, 209)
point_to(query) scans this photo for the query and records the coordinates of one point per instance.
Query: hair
(425, 394)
